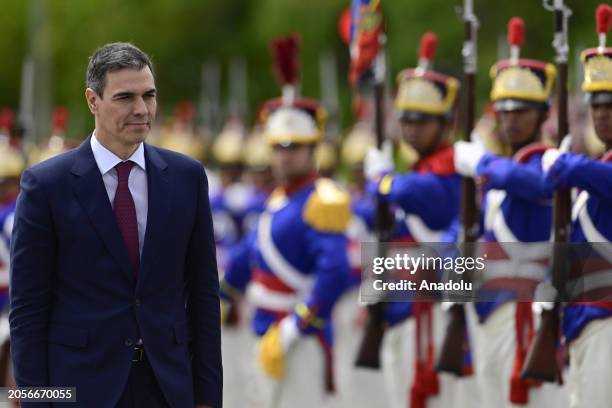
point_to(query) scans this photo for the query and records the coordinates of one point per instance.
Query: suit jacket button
(129, 342)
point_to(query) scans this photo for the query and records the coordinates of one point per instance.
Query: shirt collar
(106, 160)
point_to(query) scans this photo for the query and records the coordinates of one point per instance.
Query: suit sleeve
(203, 303)
(31, 277)
(573, 170)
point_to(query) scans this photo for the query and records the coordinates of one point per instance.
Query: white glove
(566, 144)
(544, 297)
(549, 158)
(289, 332)
(378, 162)
(467, 156)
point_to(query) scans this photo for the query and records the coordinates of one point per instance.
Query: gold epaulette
(328, 208)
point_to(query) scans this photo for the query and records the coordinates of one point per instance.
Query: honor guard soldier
(354, 148)
(229, 202)
(12, 165)
(295, 260)
(517, 208)
(587, 318)
(428, 200)
(181, 137)
(258, 177)
(57, 143)
(238, 341)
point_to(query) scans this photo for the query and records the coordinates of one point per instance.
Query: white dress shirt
(137, 182)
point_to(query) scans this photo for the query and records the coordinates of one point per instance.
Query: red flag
(366, 28)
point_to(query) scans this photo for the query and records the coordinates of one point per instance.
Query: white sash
(580, 211)
(262, 297)
(495, 221)
(281, 268)
(592, 281)
(515, 270)
(420, 231)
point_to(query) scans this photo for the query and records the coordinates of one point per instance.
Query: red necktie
(125, 213)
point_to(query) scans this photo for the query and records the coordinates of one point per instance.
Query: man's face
(126, 109)
(602, 121)
(261, 178)
(230, 173)
(9, 188)
(422, 135)
(519, 127)
(292, 162)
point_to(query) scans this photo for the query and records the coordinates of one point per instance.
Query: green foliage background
(182, 34)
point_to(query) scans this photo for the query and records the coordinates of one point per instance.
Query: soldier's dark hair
(113, 57)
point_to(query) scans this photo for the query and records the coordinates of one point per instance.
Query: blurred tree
(182, 34)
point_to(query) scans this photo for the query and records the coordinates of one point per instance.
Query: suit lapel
(91, 193)
(159, 193)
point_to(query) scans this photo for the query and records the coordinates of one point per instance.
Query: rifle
(541, 362)
(368, 355)
(452, 350)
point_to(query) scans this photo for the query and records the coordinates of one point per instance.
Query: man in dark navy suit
(114, 286)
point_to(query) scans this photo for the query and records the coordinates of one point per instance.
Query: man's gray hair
(113, 57)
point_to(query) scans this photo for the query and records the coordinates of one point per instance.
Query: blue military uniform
(11, 166)
(516, 229)
(298, 253)
(426, 202)
(517, 208)
(230, 202)
(294, 264)
(591, 223)
(587, 323)
(7, 214)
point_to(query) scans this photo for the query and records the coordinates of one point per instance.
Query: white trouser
(590, 374)
(494, 344)
(355, 387)
(398, 359)
(236, 349)
(304, 383)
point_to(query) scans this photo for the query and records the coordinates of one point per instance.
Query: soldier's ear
(92, 100)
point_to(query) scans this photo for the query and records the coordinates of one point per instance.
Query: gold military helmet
(257, 153)
(357, 143)
(185, 144)
(179, 136)
(520, 83)
(54, 146)
(598, 61)
(57, 143)
(423, 92)
(326, 156)
(299, 121)
(227, 146)
(12, 162)
(597, 70)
